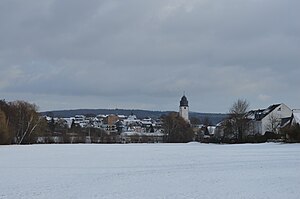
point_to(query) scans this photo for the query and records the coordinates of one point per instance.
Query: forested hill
(213, 117)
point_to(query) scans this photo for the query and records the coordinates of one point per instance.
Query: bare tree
(4, 133)
(237, 116)
(26, 120)
(273, 123)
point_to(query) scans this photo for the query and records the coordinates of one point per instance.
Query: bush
(257, 138)
(292, 133)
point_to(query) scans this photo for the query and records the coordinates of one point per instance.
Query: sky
(133, 54)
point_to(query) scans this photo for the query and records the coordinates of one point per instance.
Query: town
(22, 124)
(107, 129)
(269, 124)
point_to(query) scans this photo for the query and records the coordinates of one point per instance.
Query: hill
(213, 117)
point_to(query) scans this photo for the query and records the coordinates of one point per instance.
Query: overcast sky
(67, 54)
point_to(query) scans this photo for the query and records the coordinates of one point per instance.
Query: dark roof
(261, 113)
(184, 101)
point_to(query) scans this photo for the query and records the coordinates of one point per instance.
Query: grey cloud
(150, 52)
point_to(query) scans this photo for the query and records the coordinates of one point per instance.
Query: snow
(156, 171)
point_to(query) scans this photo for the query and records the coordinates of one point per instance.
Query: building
(270, 119)
(259, 122)
(184, 108)
(110, 123)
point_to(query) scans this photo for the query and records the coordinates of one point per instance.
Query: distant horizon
(142, 109)
(213, 117)
(124, 109)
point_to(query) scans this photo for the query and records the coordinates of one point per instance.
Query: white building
(273, 117)
(131, 119)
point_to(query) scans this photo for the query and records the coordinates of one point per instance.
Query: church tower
(184, 108)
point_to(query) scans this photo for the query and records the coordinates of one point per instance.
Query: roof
(261, 113)
(296, 117)
(184, 101)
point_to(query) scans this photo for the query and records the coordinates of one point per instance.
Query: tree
(238, 120)
(21, 122)
(75, 127)
(273, 123)
(206, 121)
(51, 125)
(228, 131)
(195, 121)
(292, 133)
(24, 121)
(4, 131)
(176, 129)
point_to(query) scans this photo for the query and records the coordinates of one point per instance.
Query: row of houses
(120, 128)
(127, 129)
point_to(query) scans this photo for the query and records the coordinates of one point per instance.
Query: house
(131, 119)
(109, 123)
(260, 121)
(269, 119)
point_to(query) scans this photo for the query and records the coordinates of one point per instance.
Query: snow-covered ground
(150, 171)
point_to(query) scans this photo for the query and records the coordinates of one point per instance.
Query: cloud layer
(137, 54)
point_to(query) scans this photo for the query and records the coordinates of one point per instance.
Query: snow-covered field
(150, 171)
